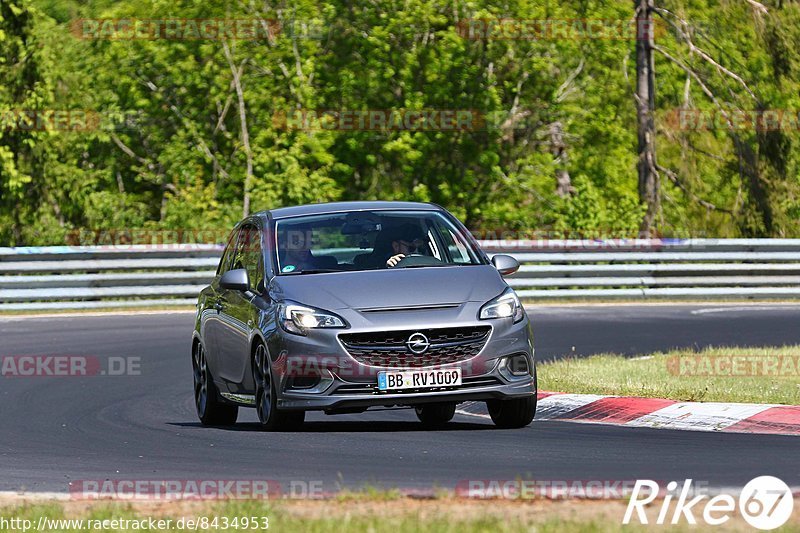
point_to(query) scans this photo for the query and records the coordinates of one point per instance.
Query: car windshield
(370, 240)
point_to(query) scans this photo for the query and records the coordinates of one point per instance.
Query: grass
(443, 514)
(749, 375)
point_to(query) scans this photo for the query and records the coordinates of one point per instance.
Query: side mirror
(235, 280)
(505, 264)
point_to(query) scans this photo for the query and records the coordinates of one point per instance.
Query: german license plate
(419, 379)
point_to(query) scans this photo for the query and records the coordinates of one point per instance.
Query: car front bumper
(353, 385)
(343, 401)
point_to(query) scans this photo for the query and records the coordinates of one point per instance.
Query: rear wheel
(210, 409)
(436, 414)
(270, 418)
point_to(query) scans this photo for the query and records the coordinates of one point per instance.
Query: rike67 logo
(765, 503)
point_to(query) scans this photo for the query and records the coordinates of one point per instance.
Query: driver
(295, 253)
(407, 239)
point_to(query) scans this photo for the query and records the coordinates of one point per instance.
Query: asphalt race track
(54, 430)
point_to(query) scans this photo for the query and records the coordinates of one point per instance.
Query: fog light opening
(315, 382)
(518, 365)
(303, 382)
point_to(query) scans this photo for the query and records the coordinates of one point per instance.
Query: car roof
(338, 207)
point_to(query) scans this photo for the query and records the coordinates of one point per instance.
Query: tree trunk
(237, 83)
(649, 187)
(757, 219)
(558, 148)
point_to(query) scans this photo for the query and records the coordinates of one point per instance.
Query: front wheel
(270, 418)
(511, 414)
(210, 410)
(517, 413)
(436, 414)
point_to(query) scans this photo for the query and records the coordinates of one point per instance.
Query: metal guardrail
(65, 277)
(92, 277)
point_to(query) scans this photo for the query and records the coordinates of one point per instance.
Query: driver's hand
(392, 261)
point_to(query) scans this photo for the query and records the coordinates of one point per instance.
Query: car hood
(404, 287)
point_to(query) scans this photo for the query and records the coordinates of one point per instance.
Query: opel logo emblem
(418, 343)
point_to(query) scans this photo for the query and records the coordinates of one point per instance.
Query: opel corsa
(340, 307)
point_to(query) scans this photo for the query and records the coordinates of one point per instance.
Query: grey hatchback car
(344, 306)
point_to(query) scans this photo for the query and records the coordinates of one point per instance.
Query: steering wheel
(412, 260)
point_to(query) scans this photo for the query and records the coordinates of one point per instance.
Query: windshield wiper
(311, 271)
(433, 266)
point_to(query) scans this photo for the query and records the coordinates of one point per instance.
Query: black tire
(436, 414)
(512, 414)
(516, 413)
(269, 417)
(210, 409)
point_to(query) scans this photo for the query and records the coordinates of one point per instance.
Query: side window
(227, 255)
(456, 248)
(248, 255)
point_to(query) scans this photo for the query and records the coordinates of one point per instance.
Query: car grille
(388, 348)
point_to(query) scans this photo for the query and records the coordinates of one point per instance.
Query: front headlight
(298, 319)
(507, 305)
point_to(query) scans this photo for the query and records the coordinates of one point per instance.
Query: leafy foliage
(172, 151)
